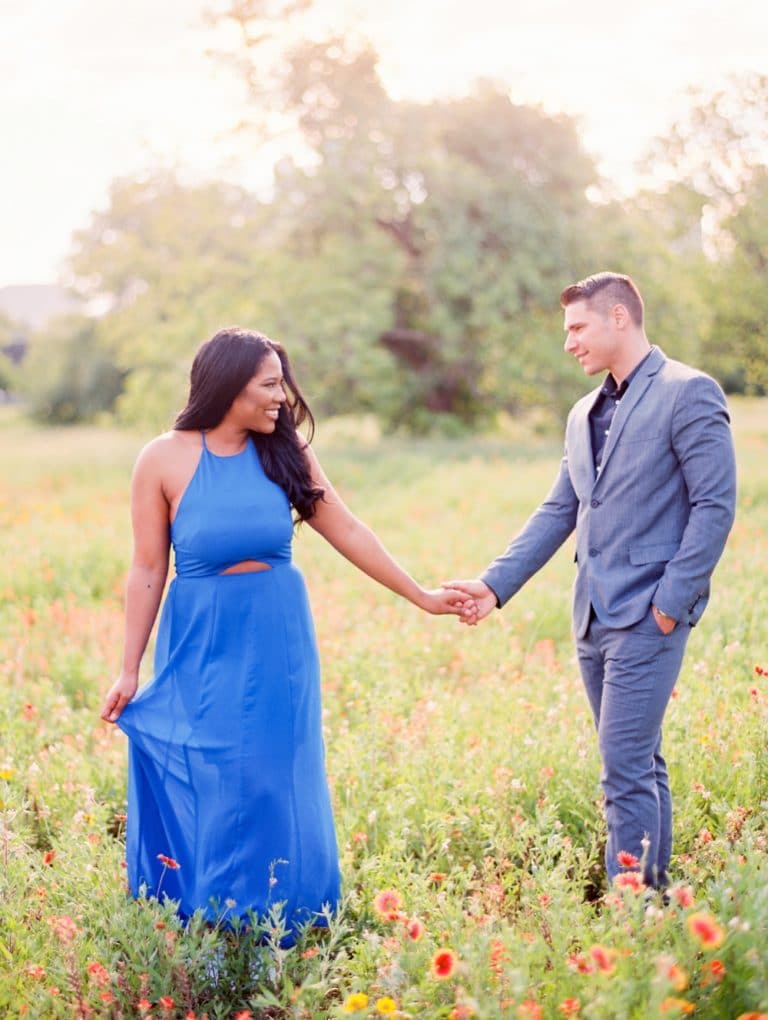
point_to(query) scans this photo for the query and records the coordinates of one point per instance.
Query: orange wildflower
(604, 958)
(498, 956)
(98, 974)
(64, 928)
(166, 1003)
(437, 877)
(244, 1014)
(627, 860)
(670, 971)
(706, 930)
(569, 1007)
(678, 1005)
(529, 1010)
(461, 1011)
(752, 1016)
(49, 857)
(36, 971)
(443, 964)
(309, 953)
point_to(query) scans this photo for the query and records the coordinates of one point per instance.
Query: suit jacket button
(593, 552)
(595, 503)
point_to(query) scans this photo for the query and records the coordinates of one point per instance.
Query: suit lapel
(580, 455)
(629, 402)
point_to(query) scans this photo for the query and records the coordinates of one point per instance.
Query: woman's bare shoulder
(168, 450)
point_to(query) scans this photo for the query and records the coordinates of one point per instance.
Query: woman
(228, 805)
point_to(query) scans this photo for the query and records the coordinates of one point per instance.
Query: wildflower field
(462, 761)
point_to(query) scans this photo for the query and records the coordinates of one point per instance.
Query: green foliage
(463, 764)
(410, 254)
(67, 375)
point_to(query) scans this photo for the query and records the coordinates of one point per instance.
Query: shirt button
(593, 552)
(595, 503)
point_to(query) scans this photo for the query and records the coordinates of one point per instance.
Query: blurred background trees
(410, 255)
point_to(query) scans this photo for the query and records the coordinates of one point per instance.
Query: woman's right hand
(118, 696)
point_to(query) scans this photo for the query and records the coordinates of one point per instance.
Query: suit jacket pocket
(640, 436)
(657, 552)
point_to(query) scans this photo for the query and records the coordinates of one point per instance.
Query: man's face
(592, 336)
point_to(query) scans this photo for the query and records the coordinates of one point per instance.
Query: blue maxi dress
(226, 772)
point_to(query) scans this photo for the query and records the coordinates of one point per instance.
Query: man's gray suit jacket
(651, 524)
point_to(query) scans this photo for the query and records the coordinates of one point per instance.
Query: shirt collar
(609, 387)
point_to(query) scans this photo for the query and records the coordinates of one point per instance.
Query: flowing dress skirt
(226, 760)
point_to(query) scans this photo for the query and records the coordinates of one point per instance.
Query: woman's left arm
(356, 542)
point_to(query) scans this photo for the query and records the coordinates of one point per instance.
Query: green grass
(467, 753)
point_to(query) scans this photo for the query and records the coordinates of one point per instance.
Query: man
(648, 482)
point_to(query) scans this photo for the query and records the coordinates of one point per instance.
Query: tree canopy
(411, 255)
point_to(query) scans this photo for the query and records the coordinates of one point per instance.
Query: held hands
(483, 599)
(445, 599)
(118, 696)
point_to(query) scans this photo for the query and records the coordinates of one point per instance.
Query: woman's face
(257, 405)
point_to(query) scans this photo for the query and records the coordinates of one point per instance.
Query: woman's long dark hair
(223, 366)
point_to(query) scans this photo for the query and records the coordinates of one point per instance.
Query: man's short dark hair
(604, 290)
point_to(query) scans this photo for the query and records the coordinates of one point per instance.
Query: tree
(719, 152)
(67, 376)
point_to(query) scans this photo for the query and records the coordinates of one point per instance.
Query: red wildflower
(309, 953)
(752, 1016)
(99, 974)
(706, 930)
(630, 880)
(461, 1011)
(168, 862)
(64, 928)
(569, 1007)
(604, 958)
(49, 857)
(443, 964)
(626, 859)
(388, 904)
(414, 929)
(498, 956)
(36, 971)
(579, 963)
(244, 1014)
(529, 1010)
(682, 895)
(715, 971)
(668, 970)
(166, 1003)
(144, 1005)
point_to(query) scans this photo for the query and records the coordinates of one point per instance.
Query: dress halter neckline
(223, 456)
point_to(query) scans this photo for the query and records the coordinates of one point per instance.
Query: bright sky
(98, 89)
